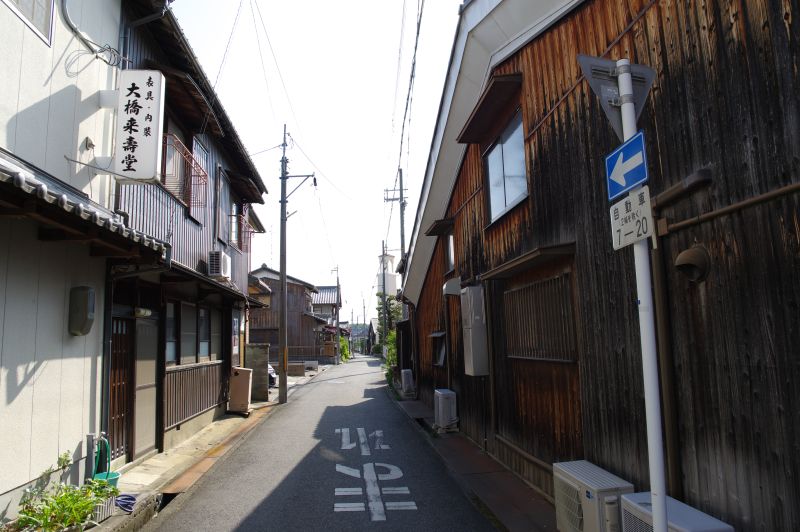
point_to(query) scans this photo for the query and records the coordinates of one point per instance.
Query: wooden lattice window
(539, 320)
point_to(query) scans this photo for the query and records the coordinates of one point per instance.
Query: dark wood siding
(725, 99)
(192, 390)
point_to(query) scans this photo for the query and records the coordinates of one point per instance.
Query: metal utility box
(587, 497)
(241, 386)
(473, 323)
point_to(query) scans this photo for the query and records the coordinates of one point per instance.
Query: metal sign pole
(647, 331)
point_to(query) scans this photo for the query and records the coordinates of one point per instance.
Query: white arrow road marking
(346, 443)
(348, 507)
(409, 505)
(349, 471)
(343, 492)
(362, 440)
(377, 511)
(622, 167)
(379, 445)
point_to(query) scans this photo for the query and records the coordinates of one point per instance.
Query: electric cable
(221, 65)
(277, 66)
(317, 168)
(261, 57)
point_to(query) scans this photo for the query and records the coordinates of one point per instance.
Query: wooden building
(303, 327)
(514, 202)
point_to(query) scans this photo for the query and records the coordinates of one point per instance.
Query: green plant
(63, 505)
(344, 349)
(391, 356)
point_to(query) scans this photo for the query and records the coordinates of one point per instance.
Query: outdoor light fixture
(694, 263)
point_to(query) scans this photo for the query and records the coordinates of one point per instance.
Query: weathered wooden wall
(725, 99)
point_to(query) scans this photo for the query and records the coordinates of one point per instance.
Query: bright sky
(337, 74)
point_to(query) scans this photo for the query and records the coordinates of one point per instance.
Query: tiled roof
(47, 189)
(326, 296)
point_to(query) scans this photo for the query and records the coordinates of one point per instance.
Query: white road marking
(346, 443)
(348, 507)
(378, 435)
(403, 490)
(349, 471)
(362, 440)
(408, 505)
(341, 492)
(393, 474)
(376, 510)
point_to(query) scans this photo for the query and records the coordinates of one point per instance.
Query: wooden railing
(192, 390)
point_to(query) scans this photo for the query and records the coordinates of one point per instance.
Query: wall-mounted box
(473, 323)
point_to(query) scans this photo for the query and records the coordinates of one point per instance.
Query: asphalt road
(338, 456)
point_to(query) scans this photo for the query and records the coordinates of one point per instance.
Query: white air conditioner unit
(637, 516)
(219, 265)
(444, 408)
(587, 497)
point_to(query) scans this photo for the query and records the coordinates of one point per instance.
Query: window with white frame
(37, 14)
(505, 169)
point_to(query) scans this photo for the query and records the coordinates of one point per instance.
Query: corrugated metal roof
(325, 296)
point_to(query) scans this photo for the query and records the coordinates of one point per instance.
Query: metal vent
(568, 505)
(632, 523)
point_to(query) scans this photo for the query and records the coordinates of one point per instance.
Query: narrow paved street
(338, 456)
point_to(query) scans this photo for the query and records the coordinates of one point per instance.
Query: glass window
(450, 253)
(505, 168)
(171, 335)
(203, 334)
(188, 323)
(235, 224)
(38, 14)
(216, 335)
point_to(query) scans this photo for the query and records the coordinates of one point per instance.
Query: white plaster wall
(49, 380)
(49, 93)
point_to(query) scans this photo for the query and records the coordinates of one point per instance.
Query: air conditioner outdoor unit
(444, 408)
(587, 497)
(637, 516)
(219, 265)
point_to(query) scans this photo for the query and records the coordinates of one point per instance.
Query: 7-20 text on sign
(631, 218)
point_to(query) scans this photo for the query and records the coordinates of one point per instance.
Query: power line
(317, 168)
(261, 57)
(277, 67)
(221, 65)
(420, 8)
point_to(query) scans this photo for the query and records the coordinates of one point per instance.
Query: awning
(534, 258)
(65, 213)
(440, 227)
(184, 94)
(497, 99)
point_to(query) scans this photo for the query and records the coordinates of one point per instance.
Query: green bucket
(112, 477)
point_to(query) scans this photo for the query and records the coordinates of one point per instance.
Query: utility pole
(364, 315)
(282, 338)
(402, 200)
(385, 308)
(338, 306)
(282, 335)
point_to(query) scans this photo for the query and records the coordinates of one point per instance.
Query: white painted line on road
(349, 471)
(348, 491)
(409, 505)
(376, 510)
(393, 474)
(346, 443)
(403, 490)
(348, 507)
(362, 440)
(334, 382)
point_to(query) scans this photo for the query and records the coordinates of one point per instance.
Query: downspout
(666, 367)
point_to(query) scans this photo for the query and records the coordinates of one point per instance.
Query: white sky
(343, 105)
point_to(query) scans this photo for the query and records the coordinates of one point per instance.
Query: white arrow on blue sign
(626, 167)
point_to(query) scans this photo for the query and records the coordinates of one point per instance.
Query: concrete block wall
(257, 360)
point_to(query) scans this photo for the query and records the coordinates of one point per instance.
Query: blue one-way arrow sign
(626, 167)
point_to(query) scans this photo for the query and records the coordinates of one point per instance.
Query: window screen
(538, 320)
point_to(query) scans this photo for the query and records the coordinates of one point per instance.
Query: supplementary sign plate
(631, 219)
